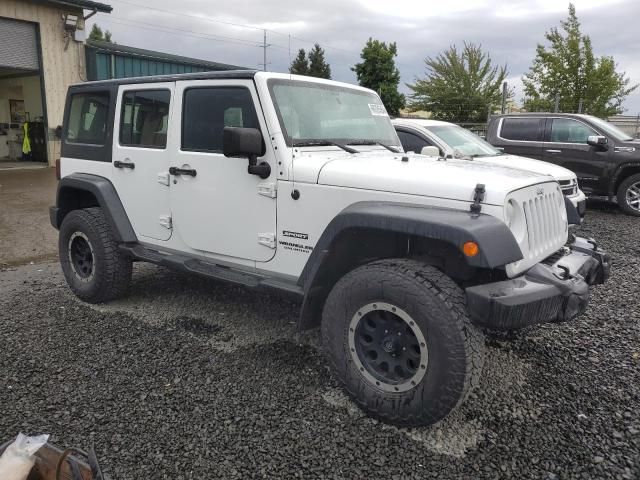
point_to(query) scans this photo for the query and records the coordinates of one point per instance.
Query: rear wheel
(398, 337)
(629, 195)
(92, 265)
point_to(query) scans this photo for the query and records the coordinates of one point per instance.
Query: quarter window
(522, 129)
(567, 130)
(88, 115)
(144, 118)
(411, 142)
(206, 111)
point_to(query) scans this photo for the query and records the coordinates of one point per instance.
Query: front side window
(88, 116)
(207, 110)
(310, 111)
(411, 142)
(567, 130)
(522, 129)
(144, 118)
(463, 142)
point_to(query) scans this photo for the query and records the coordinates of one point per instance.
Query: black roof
(116, 48)
(225, 74)
(86, 4)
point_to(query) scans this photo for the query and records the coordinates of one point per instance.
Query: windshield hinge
(478, 198)
(267, 190)
(267, 239)
(165, 221)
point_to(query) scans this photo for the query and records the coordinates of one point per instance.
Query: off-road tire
(111, 269)
(438, 306)
(622, 195)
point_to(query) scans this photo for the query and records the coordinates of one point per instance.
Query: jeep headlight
(514, 218)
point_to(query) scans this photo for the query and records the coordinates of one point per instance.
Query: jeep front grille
(545, 226)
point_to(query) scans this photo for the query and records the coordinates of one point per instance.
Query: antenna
(264, 47)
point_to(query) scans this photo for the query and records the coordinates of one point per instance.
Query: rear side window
(144, 118)
(206, 111)
(522, 129)
(411, 142)
(88, 116)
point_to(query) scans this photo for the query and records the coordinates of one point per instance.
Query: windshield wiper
(373, 142)
(323, 143)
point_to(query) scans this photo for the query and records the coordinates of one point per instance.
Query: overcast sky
(231, 31)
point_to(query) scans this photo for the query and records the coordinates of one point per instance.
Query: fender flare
(105, 194)
(618, 172)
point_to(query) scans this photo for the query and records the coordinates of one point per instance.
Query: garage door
(18, 47)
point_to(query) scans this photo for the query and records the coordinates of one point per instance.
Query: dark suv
(605, 159)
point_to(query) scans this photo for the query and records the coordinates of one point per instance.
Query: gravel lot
(188, 378)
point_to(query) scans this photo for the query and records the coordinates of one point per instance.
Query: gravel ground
(188, 378)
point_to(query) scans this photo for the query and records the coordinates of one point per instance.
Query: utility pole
(503, 110)
(264, 47)
(557, 103)
(580, 106)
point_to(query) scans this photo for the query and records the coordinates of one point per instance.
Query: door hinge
(165, 221)
(163, 178)
(478, 198)
(267, 190)
(267, 239)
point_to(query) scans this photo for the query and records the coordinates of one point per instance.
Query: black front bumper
(554, 290)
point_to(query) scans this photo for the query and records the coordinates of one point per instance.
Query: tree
(318, 67)
(300, 66)
(568, 70)
(378, 72)
(460, 86)
(96, 34)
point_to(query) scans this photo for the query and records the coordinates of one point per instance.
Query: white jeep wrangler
(299, 184)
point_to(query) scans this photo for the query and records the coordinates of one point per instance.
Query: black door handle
(119, 164)
(182, 171)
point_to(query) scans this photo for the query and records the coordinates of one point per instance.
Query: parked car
(452, 141)
(605, 159)
(293, 183)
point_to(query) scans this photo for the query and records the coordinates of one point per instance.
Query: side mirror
(597, 141)
(430, 151)
(248, 143)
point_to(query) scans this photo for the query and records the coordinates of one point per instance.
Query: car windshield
(463, 142)
(317, 114)
(610, 129)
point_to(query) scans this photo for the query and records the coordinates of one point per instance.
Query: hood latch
(478, 198)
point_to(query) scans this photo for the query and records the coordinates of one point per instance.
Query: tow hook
(566, 273)
(478, 197)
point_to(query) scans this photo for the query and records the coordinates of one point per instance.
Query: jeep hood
(419, 175)
(523, 163)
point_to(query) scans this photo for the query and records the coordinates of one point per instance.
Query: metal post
(580, 106)
(557, 103)
(503, 110)
(264, 51)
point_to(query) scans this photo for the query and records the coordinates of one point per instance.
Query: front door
(141, 159)
(566, 145)
(218, 207)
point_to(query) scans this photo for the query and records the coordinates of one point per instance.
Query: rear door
(220, 208)
(566, 145)
(521, 135)
(141, 159)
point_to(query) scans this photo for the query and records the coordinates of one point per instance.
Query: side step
(211, 270)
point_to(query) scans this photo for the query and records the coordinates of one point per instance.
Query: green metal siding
(100, 65)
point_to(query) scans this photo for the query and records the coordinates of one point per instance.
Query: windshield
(310, 111)
(463, 142)
(610, 129)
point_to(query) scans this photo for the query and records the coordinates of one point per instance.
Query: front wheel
(629, 195)
(399, 339)
(92, 265)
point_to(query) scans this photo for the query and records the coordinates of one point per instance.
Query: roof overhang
(84, 4)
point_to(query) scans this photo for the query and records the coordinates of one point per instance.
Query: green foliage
(460, 86)
(300, 66)
(318, 67)
(569, 69)
(97, 34)
(378, 72)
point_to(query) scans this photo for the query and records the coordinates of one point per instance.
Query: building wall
(61, 66)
